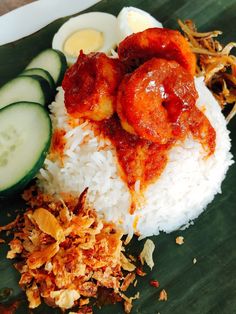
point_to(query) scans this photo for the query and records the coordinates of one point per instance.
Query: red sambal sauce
(202, 130)
(143, 155)
(144, 160)
(139, 159)
(58, 141)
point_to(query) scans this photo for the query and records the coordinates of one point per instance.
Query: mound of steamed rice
(188, 183)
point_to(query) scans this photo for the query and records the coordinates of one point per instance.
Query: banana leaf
(207, 286)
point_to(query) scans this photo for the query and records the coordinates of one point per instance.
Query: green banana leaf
(209, 285)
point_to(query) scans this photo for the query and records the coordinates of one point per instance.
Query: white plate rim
(30, 18)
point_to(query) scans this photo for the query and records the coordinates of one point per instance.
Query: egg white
(99, 21)
(124, 29)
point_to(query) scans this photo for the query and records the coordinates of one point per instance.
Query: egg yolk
(137, 22)
(88, 40)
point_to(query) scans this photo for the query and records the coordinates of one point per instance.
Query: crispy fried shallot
(67, 253)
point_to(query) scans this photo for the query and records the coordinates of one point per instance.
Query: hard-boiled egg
(90, 32)
(133, 20)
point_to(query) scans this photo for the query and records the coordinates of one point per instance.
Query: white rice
(188, 183)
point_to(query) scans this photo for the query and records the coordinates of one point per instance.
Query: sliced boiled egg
(90, 32)
(133, 20)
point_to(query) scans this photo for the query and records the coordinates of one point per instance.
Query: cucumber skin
(44, 85)
(63, 64)
(52, 83)
(63, 67)
(47, 91)
(20, 185)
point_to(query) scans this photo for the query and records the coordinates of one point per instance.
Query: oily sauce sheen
(144, 107)
(144, 160)
(152, 99)
(139, 159)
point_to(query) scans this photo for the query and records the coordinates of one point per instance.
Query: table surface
(8, 5)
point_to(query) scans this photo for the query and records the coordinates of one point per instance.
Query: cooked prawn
(160, 43)
(152, 98)
(90, 86)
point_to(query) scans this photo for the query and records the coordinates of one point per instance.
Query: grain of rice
(188, 183)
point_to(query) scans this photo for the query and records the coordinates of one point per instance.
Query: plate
(13, 25)
(209, 286)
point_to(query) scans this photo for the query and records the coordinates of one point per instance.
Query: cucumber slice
(48, 92)
(25, 135)
(43, 73)
(52, 61)
(25, 88)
